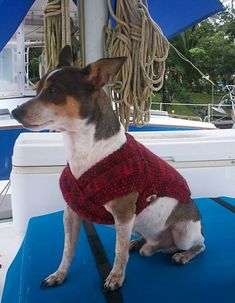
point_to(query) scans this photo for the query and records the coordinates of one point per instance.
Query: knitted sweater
(132, 168)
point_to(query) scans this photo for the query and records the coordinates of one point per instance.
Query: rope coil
(57, 30)
(140, 39)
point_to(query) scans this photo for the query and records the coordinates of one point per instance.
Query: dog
(118, 180)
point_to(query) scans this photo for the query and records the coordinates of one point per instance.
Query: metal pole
(21, 58)
(209, 113)
(95, 18)
(212, 93)
(80, 7)
(165, 93)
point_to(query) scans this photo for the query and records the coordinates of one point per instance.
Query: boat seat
(208, 278)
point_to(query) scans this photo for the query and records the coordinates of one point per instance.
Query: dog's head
(67, 94)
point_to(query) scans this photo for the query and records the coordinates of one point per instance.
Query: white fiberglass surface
(10, 242)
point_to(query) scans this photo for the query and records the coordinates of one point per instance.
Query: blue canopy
(12, 14)
(173, 16)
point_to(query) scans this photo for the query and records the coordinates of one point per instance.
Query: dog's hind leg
(72, 223)
(189, 239)
(184, 257)
(162, 242)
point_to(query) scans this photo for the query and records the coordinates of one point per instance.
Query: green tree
(210, 46)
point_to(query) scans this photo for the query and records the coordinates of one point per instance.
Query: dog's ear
(65, 57)
(98, 72)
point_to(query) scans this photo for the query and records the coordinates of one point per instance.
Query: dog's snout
(17, 113)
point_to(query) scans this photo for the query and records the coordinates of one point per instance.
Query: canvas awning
(173, 16)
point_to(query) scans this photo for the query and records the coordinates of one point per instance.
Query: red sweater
(132, 168)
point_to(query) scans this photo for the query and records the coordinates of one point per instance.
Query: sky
(228, 2)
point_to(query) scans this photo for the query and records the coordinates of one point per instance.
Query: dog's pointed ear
(65, 57)
(98, 73)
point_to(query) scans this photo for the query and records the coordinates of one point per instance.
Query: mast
(95, 18)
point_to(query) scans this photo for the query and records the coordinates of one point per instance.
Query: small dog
(110, 178)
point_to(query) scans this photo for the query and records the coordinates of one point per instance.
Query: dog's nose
(17, 113)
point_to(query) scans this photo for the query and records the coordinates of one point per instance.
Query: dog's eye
(52, 91)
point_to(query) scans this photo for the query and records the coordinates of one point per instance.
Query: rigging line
(4, 192)
(180, 54)
(195, 67)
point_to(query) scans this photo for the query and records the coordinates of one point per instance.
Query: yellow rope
(57, 30)
(140, 39)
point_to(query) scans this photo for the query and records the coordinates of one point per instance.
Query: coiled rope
(140, 39)
(57, 30)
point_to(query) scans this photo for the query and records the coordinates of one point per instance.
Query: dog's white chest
(152, 220)
(84, 151)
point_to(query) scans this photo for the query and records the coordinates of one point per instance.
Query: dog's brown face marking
(68, 108)
(47, 85)
(68, 93)
(73, 94)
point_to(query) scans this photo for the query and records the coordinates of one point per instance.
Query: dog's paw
(54, 279)
(135, 245)
(148, 249)
(180, 258)
(114, 281)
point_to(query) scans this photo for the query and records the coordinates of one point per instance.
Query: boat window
(11, 63)
(22, 61)
(8, 70)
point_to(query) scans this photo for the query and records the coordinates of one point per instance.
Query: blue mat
(208, 278)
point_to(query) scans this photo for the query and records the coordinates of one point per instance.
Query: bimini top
(173, 16)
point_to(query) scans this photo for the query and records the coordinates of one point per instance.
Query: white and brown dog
(148, 198)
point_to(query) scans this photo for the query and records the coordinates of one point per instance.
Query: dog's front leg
(123, 211)
(117, 274)
(72, 223)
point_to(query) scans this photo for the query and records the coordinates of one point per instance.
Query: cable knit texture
(132, 168)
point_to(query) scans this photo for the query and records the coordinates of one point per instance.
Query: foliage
(210, 46)
(34, 64)
(192, 98)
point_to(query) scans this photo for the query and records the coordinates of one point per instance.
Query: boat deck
(208, 278)
(10, 243)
